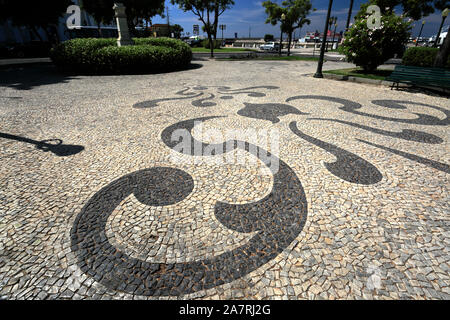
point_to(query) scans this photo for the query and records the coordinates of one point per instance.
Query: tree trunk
(290, 41)
(100, 35)
(210, 35)
(36, 33)
(442, 56)
(57, 39)
(131, 27)
(211, 45)
(281, 43)
(216, 19)
(49, 36)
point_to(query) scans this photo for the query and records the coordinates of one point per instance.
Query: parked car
(33, 49)
(194, 41)
(270, 46)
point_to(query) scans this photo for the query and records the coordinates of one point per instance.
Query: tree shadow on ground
(27, 77)
(427, 91)
(55, 146)
(192, 66)
(133, 71)
(199, 59)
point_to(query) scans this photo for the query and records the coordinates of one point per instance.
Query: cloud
(252, 14)
(334, 12)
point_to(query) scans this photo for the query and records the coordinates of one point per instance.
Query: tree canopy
(99, 10)
(369, 48)
(144, 9)
(292, 15)
(417, 9)
(136, 10)
(177, 30)
(33, 14)
(414, 9)
(208, 12)
(269, 37)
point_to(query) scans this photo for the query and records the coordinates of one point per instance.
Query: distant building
(317, 37)
(161, 30)
(88, 28)
(443, 35)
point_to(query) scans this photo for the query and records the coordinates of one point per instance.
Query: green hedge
(103, 56)
(421, 57)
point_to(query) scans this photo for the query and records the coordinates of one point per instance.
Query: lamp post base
(122, 43)
(318, 75)
(122, 26)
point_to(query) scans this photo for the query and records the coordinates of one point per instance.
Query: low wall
(257, 44)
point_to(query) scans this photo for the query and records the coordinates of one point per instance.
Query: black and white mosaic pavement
(278, 219)
(348, 166)
(109, 188)
(271, 111)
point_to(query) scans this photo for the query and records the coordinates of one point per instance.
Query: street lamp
(332, 21)
(444, 16)
(283, 18)
(335, 20)
(334, 34)
(222, 27)
(347, 26)
(420, 33)
(324, 41)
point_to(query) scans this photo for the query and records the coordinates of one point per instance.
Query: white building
(442, 36)
(13, 34)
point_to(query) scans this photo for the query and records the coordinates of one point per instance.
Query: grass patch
(273, 58)
(226, 50)
(290, 58)
(380, 74)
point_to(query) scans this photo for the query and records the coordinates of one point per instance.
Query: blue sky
(248, 14)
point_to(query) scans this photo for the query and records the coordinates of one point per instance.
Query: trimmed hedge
(421, 57)
(103, 56)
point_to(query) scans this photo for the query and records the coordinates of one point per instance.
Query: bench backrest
(433, 76)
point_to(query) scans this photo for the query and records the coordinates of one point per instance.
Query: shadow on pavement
(133, 71)
(428, 91)
(55, 146)
(27, 77)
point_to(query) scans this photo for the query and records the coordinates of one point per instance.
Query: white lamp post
(444, 16)
(283, 18)
(420, 33)
(122, 25)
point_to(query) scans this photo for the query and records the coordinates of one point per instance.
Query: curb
(383, 83)
(21, 62)
(332, 58)
(226, 54)
(357, 79)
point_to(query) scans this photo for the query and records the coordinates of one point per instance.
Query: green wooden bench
(420, 77)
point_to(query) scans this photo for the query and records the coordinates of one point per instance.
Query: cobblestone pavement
(130, 188)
